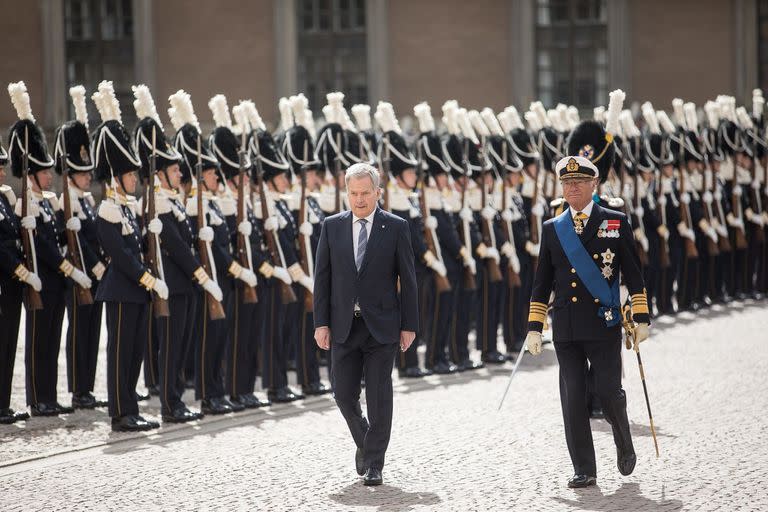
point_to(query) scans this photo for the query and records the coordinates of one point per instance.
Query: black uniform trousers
(464, 303)
(604, 357)
(41, 354)
(307, 367)
(243, 345)
(174, 334)
(513, 325)
(274, 355)
(83, 335)
(10, 315)
(292, 325)
(212, 348)
(440, 320)
(410, 358)
(151, 376)
(126, 342)
(487, 311)
(361, 355)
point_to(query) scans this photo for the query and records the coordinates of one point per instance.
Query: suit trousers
(83, 335)
(126, 342)
(360, 355)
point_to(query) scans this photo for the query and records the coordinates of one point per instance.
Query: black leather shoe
(444, 368)
(597, 413)
(511, 356)
(236, 407)
(359, 462)
(8, 416)
(579, 481)
(215, 406)
(154, 390)
(625, 461)
(180, 415)
(494, 358)
(283, 395)
(469, 364)
(316, 388)
(141, 398)
(86, 401)
(52, 409)
(132, 424)
(373, 477)
(258, 402)
(415, 373)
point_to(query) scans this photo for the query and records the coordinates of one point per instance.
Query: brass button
(594, 256)
(574, 299)
(597, 301)
(573, 284)
(573, 271)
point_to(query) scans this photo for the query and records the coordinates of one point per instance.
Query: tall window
(99, 46)
(762, 48)
(332, 50)
(571, 52)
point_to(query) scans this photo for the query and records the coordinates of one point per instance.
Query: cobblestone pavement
(450, 448)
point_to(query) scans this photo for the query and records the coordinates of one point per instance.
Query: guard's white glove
(639, 211)
(160, 288)
(98, 270)
(73, 224)
(82, 280)
(248, 277)
(748, 213)
(155, 226)
(533, 249)
(533, 342)
(439, 267)
(28, 222)
(506, 215)
(707, 197)
(663, 232)
(282, 274)
(307, 282)
(213, 288)
(508, 250)
(466, 214)
(245, 228)
(33, 280)
(306, 228)
(734, 222)
(430, 222)
(471, 264)
(685, 198)
(537, 210)
(642, 330)
(514, 263)
(492, 253)
(271, 224)
(206, 234)
(488, 213)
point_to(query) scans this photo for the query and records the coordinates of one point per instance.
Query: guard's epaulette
(162, 204)
(110, 211)
(51, 197)
(555, 203)
(8, 192)
(614, 202)
(292, 199)
(228, 205)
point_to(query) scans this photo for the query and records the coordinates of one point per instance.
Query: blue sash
(588, 271)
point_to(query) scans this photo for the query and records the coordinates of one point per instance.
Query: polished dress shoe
(625, 461)
(373, 477)
(469, 364)
(283, 395)
(51, 409)
(180, 415)
(494, 357)
(596, 413)
(141, 398)
(316, 388)
(359, 462)
(8, 416)
(132, 423)
(215, 406)
(415, 373)
(444, 368)
(86, 401)
(579, 481)
(257, 402)
(236, 407)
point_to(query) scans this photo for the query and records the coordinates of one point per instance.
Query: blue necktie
(362, 241)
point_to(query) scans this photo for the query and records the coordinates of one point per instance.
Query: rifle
(486, 226)
(513, 278)
(337, 174)
(712, 247)
(385, 172)
(441, 282)
(287, 294)
(641, 252)
(759, 233)
(243, 244)
(535, 219)
(685, 213)
(469, 276)
(82, 295)
(304, 248)
(159, 306)
(32, 298)
(215, 309)
(664, 260)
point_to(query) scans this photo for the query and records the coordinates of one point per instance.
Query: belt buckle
(358, 313)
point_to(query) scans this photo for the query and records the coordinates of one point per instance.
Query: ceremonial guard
(73, 162)
(128, 284)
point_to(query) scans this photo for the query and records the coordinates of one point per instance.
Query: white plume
(615, 104)
(241, 119)
(537, 108)
(385, 117)
(182, 111)
(562, 111)
(20, 99)
(533, 121)
(679, 113)
(77, 93)
(301, 113)
(727, 107)
(553, 116)
(478, 124)
(253, 116)
(758, 103)
(286, 115)
(743, 118)
(573, 117)
(465, 125)
(144, 104)
(329, 114)
(598, 114)
(628, 124)
(362, 115)
(712, 109)
(514, 118)
(107, 103)
(691, 117)
(346, 121)
(491, 121)
(220, 111)
(666, 123)
(450, 108)
(424, 114)
(649, 114)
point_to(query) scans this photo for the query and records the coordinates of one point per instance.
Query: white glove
(81, 279)
(471, 264)
(155, 226)
(307, 282)
(245, 228)
(439, 267)
(537, 210)
(685, 198)
(160, 288)
(431, 222)
(663, 232)
(282, 274)
(98, 270)
(639, 211)
(492, 253)
(533, 249)
(533, 342)
(306, 229)
(642, 331)
(28, 222)
(488, 213)
(271, 224)
(506, 215)
(247, 277)
(206, 234)
(707, 197)
(508, 250)
(212, 287)
(73, 224)
(466, 214)
(33, 280)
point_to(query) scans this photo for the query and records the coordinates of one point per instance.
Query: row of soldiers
(208, 275)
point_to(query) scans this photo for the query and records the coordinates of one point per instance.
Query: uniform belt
(358, 313)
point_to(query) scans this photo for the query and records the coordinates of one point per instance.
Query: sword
(511, 375)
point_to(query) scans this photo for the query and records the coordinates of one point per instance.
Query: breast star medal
(607, 272)
(607, 256)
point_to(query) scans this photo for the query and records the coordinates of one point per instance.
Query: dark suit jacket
(338, 284)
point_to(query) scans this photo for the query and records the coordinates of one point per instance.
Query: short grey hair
(362, 170)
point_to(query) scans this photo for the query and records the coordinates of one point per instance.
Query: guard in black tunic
(127, 283)
(14, 275)
(584, 251)
(84, 320)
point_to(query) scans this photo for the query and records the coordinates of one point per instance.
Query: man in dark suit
(360, 256)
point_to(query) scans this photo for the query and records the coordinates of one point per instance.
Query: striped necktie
(362, 241)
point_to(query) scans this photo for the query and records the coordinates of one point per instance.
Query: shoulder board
(556, 202)
(398, 200)
(615, 202)
(51, 197)
(8, 192)
(162, 204)
(228, 206)
(110, 212)
(292, 199)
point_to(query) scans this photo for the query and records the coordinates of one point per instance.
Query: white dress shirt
(356, 226)
(586, 211)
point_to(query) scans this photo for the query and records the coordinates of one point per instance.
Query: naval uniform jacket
(575, 310)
